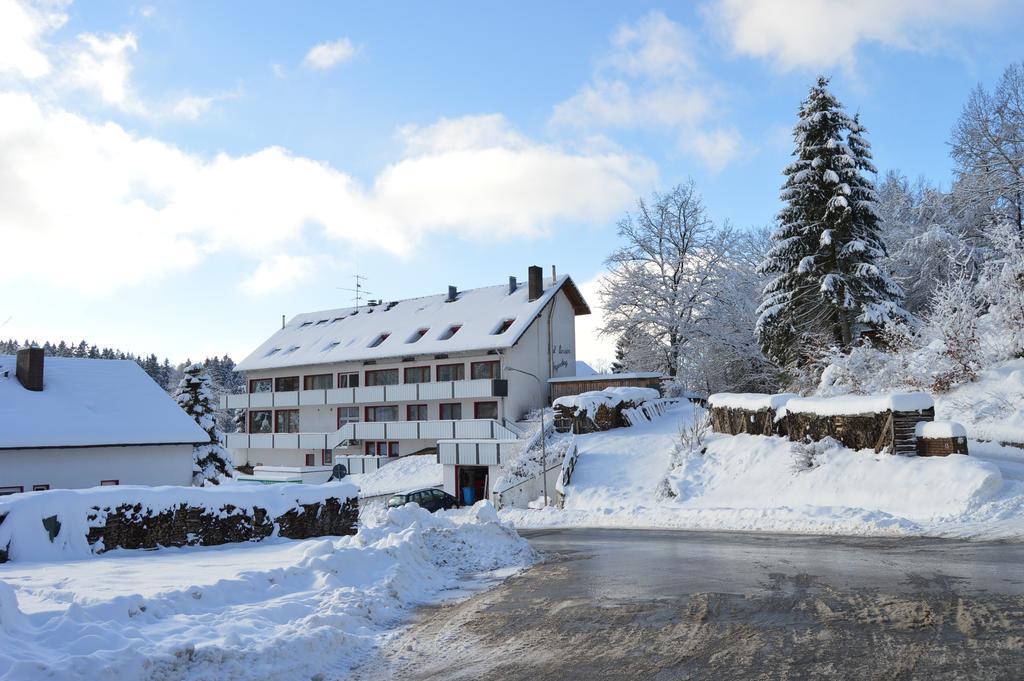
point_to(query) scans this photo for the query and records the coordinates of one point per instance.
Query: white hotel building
(447, 373)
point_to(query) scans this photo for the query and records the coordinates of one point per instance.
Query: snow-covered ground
(992, 407)
(277, 610)
(629, 477)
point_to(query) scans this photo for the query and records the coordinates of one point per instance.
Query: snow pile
(750, 401)
(274, 611)
(645, 476)
(859, 404)
(992, 407)
(405, 472)
(26, 539)
(935, 430)
(589, 402)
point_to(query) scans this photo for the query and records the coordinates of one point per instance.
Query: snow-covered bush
(807, 454)
(194, 394)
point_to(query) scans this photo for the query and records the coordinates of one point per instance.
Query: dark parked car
(428, 498)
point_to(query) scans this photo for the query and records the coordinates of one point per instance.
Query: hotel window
(485, 410)
(16, 489)
(450, 412)
(451, 372)
(417, 374)
(326, 457)
(416, 412)
(450, 331)
(348, 380)
(347, 415)
(109, 483)
(260, 421)
(40, 488)
(416, 335)
(286, 384)
(286, 421)
(318, 382)
(381, 449)
(385, 413)
(382, 377)
(379, 339)
(310, 459)
(484, 369)
(260, 385)
(504, 326)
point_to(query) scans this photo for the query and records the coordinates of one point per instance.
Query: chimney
(282, 321)
(554, 274)
(512, 285)
(29, 369)
(536, 281)
(453, 293)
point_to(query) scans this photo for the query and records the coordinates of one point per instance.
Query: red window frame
(307, 383)
(326, 457)
(285, 411)
(373, 447)
(425, 374)
(310, 459)
(109, 483)
(460, 373)
(409, 415)
(378, 372)
(349, 377)
(476, 410)
(253, 381)
(347, 420)
(456, 405)
(277, 384)
(40, 488)
(366, 413)
(495, 371)
(253, 412)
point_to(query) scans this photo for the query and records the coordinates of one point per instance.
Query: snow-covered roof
(939, 429)
(482, 319)
(90, 402)
(860, 404)
(750, 401)
(607, 377)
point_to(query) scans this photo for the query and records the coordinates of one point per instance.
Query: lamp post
(543, 437)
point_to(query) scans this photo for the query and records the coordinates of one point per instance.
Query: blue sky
(190, 172)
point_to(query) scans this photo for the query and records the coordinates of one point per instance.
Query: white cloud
(103, 66)
(650, 80)
(328, 55)
(819, 34)
(113, 209)
(281, 272)
(22, 27)
(193, 107)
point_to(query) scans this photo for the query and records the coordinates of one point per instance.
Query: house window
(504, 326)
(40, 488)
(450, 331)
(326, 457)
(318, 382)
(286, 421)
(416, 412)
(260, 421)
(484, 369)
(385, 413)
(348, 380)
(450, 411)
(451, 372)
(417, 374)
(14, 489)
(347, 415)
(485, 410)
(378, 340)
(382, 377)
(260, 385)
(109, 483)
(374, 448)
(310, 459)
(286, 384)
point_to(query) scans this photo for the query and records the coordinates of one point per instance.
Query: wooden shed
(576, 385)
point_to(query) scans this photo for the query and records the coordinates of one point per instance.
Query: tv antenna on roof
(358, 292)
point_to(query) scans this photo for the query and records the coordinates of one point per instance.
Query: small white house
(73, 423)
(448, 374)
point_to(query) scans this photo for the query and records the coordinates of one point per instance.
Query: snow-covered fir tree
(827, 285)
(194, 394)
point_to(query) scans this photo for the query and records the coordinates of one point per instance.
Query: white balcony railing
(376, 394)
(469, 429)
(475, 452)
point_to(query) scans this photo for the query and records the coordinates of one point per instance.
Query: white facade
(460, 389)
(25, 470)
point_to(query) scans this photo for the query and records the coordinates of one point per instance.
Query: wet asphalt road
(629, 604)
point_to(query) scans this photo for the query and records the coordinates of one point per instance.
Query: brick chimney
(535, 279)
(453, 294)
(29, 368)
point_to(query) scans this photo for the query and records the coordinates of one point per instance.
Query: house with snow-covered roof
(448, 373)
(74, 423)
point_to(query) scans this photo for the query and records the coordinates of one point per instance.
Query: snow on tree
(826, 259)
(194, 394)
(1001, 286)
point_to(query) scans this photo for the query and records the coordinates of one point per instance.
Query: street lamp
(543, 438)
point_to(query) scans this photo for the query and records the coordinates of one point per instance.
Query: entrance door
(471, 484)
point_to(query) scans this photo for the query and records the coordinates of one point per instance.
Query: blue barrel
(468, 495)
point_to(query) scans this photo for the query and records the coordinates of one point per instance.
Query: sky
(176, 176)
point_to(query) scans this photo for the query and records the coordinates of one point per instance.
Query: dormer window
(379, 339)
(272, 351)
(322, 321)
(504, 326)
(330, 346)
(417, 334)
(450, 331)
(290, 350)
(305, 324)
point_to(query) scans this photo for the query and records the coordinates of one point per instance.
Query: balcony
(376, 394)
(475, 452)
(468, 429)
